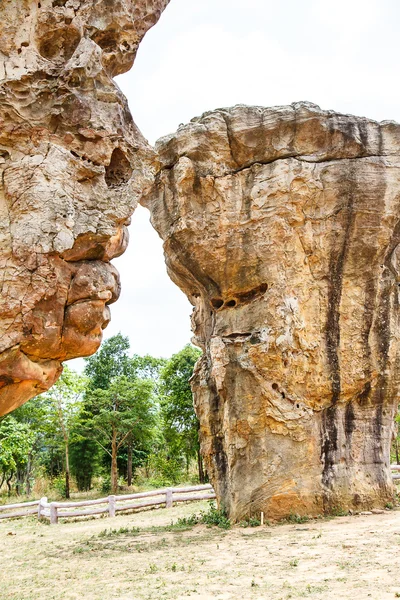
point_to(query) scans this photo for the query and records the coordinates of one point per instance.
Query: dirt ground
(353, 558)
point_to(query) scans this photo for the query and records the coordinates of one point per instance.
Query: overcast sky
(204, 54)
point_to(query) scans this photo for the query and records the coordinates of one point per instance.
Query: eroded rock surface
(282, 226)
(72, 165)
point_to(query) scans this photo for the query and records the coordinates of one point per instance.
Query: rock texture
(282, 226)
(72, 166)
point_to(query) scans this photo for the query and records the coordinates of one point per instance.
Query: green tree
(43, 450)
(65, 400)
(180, 424)
(121, 414)
(84, 457)
(15, 444)
(112, 360)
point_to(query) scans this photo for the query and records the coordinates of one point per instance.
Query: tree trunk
(129, 468)
(67, 488)
(202, 475)
(396, 447)
(8, 481)
(28, 475)
(114, 467)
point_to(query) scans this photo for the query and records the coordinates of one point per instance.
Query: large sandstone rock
(282, 226)
(72, 165)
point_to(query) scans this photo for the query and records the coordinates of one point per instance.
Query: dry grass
(353, 558)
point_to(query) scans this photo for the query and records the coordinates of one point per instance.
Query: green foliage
(110, 361)
(215, 516)
(85, 457)
(179, 421)
(295, 518)
(58, 484)
(126, 407)
(125, 413)
(15, 444)
(250, 522)
(121, 414)
(106, 484)
(164, 469)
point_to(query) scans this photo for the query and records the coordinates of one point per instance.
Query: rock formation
(282, 226)
(72, 167)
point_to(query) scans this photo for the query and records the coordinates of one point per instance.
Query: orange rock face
(73, 165)
(282, 227)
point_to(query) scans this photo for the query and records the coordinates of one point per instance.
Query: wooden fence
(110, 505)
(113, 504)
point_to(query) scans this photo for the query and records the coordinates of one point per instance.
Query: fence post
(53, 514)
(42, 503)
(168, 498)
(111, 506)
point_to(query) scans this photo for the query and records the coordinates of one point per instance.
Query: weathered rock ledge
(282, 226)
(72, 166)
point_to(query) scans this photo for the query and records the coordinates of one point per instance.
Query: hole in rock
(216, 302)
(61, 42)
(250, 295)
(230, 303)
(106, 40)
(119, 170)
(297, 405)
(275, 386)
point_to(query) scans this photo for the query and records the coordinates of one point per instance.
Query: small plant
(338, 511)
(189, 521)
(152, 568)
(250, 522)
(215, 516)
(389, 505)
(294, 562)
(295, 518)
(253, 583)
(108, 533)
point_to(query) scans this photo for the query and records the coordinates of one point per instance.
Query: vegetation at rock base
(128, 420)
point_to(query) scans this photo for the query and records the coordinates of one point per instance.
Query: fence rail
(111, 505)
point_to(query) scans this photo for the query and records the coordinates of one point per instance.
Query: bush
(106, 484)
(215, 516)
(58, 484)
(163, 470)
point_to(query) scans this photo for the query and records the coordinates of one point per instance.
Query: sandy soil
(353, 558)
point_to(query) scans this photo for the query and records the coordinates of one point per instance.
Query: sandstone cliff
(282, 226)
(72, 165)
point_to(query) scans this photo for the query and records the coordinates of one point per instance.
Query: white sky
(204, 54)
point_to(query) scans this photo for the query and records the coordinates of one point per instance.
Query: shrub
(215, 516)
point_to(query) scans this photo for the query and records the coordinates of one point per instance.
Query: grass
(145, 556)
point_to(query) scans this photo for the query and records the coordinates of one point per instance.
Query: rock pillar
(72, 165)
(282, 226)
